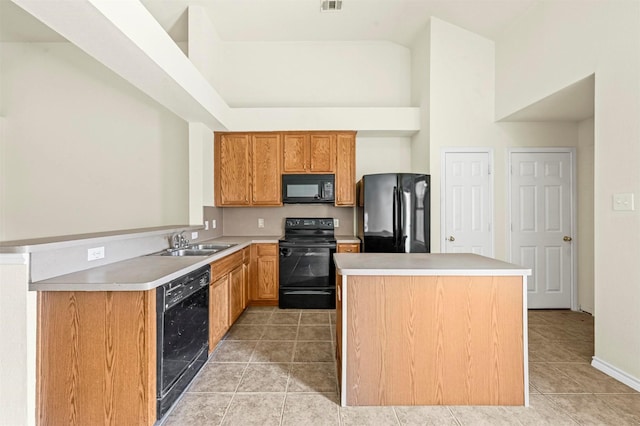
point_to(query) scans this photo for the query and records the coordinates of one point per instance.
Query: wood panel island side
(431, 329)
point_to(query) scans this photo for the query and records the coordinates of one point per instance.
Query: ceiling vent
(331, 5)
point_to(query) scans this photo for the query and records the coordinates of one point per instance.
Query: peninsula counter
(431, 329)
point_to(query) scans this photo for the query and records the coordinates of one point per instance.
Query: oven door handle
(306, 246)
(314, 292)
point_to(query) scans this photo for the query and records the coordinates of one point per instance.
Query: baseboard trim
(616, 373)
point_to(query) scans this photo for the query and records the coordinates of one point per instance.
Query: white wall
(420, 97)
(462, 105)
(18, 336)
(554, 45)
(203, 47)
(305, 74)
(382, 155)
(585, 215)
(83, 151)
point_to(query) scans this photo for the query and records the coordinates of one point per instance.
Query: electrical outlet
(194, 235)
(95, 253)
(336, 223)
(260, 222)
(213, 224)
(206, 225)
(623, 202)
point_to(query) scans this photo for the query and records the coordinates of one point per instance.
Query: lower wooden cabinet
(235, 293)
(246, 261)
(348, 248)
(96, 353)
(218, 310)
(339, 329)
(225, 296)
(264, 274)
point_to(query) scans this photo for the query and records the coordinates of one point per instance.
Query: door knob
(567, 238)
(451, 238)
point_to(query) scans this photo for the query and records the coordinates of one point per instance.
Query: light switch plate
(213, 224)
(623, 202)
(206, 225)
(336, 223)
(260, 223)
(194, 235)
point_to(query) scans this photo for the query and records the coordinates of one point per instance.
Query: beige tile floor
(276, 367)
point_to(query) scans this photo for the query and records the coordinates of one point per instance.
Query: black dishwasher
(183, 334)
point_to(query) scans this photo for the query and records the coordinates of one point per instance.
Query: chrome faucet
(179, 241)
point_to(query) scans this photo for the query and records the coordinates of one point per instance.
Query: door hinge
(488, 169)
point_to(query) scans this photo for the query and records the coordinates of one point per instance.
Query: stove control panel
(308, 223)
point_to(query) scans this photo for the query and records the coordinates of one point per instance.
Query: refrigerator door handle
(406, 209)
(395, 216)
(399, 219)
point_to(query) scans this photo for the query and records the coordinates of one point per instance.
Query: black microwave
(301, 189)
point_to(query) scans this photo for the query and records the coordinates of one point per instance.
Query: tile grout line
(395, 415)
(455, 419)
(558, 407)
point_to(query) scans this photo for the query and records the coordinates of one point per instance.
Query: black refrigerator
(394, 213)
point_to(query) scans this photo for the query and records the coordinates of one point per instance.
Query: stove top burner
(308, 230)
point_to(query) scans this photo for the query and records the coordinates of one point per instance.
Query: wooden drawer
(267, 249)
(225, 265)
(348, 248)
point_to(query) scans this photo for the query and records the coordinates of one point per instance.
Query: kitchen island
(430, 329)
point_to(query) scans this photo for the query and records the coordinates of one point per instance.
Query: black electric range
(307, 272)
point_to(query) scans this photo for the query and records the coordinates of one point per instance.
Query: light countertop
(148, 272)
(347, 239)
(415, 264)
(60, 242)
(143, 272)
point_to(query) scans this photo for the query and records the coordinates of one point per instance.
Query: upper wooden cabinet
(346, 169)
(309, 153)
(248, 166)
(232, 169)
(247, 169)
(265, 169)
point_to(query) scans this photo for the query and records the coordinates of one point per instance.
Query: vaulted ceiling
(396, 21)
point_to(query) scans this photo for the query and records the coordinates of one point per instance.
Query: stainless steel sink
(187, 252)
(216, 247)
(195, 250)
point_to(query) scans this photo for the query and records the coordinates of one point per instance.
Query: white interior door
(542, 224)
(467, 212)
